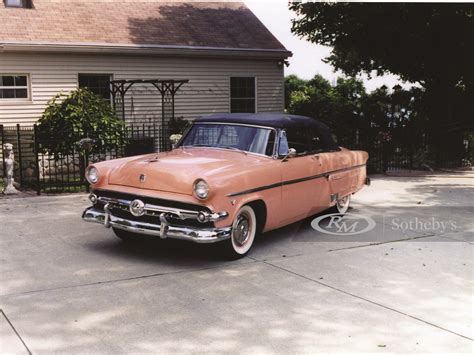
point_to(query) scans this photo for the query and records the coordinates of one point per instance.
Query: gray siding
(207, 90)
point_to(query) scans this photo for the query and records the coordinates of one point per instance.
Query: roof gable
(227, 25)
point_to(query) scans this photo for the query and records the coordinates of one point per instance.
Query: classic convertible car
(230, 177)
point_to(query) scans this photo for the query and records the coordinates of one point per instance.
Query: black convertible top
(275, 120)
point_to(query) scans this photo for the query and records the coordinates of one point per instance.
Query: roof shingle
(137, 22)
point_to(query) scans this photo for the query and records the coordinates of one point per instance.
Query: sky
(307, 57)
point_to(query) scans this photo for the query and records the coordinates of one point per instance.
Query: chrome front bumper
(158, 211)
(162, 230)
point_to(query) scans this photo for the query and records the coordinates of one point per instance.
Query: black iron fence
(36, 169)
(43, 172)
(399, 149)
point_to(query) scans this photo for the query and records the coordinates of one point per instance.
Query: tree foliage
(68, 119)
(338, 105)
(430, 44)
(178, 125)
(347, 105)
(412, 40)
(385, 120)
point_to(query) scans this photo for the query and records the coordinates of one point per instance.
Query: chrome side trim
(294, 181)
(162, 230)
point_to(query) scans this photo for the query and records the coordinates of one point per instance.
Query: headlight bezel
(197, 185)
(90, 180)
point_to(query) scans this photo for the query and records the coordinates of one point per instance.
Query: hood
(176, 171)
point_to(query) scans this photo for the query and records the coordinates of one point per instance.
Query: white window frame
(27, 87)
(256, 89)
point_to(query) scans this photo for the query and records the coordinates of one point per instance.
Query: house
(232, 61)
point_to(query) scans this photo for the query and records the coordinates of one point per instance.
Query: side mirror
(291, 154)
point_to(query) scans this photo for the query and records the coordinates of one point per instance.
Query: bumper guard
(162, 230)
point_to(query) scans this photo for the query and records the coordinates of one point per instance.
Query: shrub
(69, 119)
(423, 159)
(177, 125)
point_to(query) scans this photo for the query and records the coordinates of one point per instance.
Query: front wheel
(244, 228)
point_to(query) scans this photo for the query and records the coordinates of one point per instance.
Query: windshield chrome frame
(275, 151)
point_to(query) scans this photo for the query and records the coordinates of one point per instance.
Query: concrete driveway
(68, 286)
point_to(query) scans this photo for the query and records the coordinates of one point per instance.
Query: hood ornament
(153, 160)
(142, 178)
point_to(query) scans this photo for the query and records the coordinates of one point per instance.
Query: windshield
(247, 138)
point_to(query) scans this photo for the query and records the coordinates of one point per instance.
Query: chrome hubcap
(241, 230)
(342, 202)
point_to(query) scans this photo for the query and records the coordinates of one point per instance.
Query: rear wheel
(244, 229)
(125, 236)
(342, 205)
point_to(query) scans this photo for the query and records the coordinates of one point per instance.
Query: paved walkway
(68, 286)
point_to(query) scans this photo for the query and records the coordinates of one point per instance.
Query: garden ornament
(9, 162)
(86, 144)
(174, 139)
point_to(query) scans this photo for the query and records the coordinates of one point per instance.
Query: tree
(349, 95)
(337, 106)
(292, 84)
(71, 118)
(412, 40)
(429, 44)
(346, 107)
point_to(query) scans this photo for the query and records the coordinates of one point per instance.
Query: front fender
(271, 199)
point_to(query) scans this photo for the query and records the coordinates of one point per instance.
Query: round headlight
(92, 175)
(201, 189)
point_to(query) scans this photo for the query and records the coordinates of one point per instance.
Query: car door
(299, 187)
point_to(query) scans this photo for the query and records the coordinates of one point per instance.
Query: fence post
(86, 164)
(18, 142)
(36, 152)
(2, 137)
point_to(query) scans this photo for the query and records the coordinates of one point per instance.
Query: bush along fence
(36, 169)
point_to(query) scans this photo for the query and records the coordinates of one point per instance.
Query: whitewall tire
(342, 204)
(244, 229)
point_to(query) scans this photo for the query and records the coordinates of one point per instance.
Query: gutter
(143, 49)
